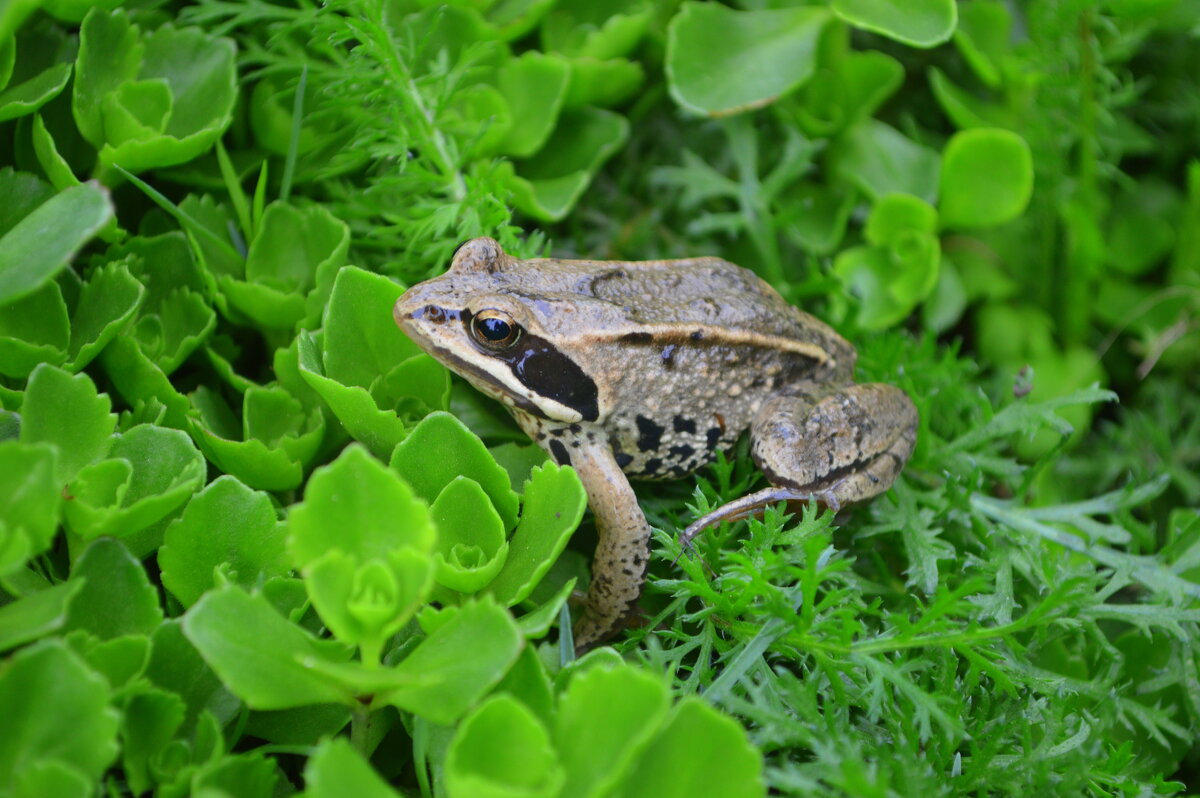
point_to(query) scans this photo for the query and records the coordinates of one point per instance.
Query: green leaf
(109, 299)
(502, 750)
(263, 659)
(698, 751)
(278, 438)
(441, 448)
(554, 505)
(892, 215)
(151, 472)
(292, 250)
(44, 242)
(229, 524)
(25, 98)
(176, 665)
(36, 615)
(67, 411)
(30, 501)
(601, 83)
(471, 548)
(363, 602)
(983, 37)
(534, 85)
(986, 178)
(361, 339)
(606, 718)
(595, 30)
(548, 186)
(722, 61)
(456, 665)
(165, 100)
(148, 725)
(33, 330)
(380, 430)
(335, 769)
(360, 507)
(119, 660)
(917, 23)
(51, 160)
(79, 735)
(849, 90)
(880, 160)
(117, 597)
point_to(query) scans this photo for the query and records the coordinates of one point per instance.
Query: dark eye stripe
(548, 372)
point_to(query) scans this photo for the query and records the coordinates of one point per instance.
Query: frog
(644, 370)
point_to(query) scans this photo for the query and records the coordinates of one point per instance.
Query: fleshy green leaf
(361, 339)
(606, 718)
(30, 501)
(150, 472)
(471, 548)
(44, 242)
(79, 736)
(109, 299)
(166, 98)
(880, 160)
(440, 449)
(36, 615)
(25, 98)
(548, 186)
(378, 429)
(554, 504)
(229, 524)
(987, 178)
(34, 329)
(723, 61)
(360, 507)
(456, 665)
(502, 750)
(917, 23)
(117, 597)
(335, 769)
(534, 85)
(67, 411)
(262, 658)
(698, 751)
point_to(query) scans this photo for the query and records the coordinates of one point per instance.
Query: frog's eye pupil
(494, 330)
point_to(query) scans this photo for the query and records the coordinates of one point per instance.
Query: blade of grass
(289, 165)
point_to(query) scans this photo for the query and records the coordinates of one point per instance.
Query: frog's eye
(494, 329)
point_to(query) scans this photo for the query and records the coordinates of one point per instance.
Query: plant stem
(360, 730)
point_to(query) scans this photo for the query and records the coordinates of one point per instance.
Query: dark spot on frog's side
(697, 335)
(668, 356)
(682, 424)
(637, 338)
(713, 437)
(653, 466)
(622, 459)
(561, 455)
(649, 434)
(682, 452)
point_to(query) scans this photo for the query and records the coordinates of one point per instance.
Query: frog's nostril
(433, 313)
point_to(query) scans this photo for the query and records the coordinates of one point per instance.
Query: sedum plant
(254, 542)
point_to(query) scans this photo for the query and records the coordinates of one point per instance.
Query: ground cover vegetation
(253, 542)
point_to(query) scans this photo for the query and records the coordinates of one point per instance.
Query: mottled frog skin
(645, 370)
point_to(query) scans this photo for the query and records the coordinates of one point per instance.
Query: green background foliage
(254, 542)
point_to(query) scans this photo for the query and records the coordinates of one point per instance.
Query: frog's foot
(843, 445)
(836, 445)
(753, 504)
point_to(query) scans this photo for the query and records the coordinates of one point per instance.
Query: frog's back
(710, 292)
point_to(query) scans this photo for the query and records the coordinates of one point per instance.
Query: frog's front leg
(839, 445)
(623, 551)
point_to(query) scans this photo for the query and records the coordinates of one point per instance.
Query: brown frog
(644, 370)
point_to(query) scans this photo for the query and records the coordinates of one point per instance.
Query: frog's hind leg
(837, 445)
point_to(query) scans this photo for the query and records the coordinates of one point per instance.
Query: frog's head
(473, 322)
